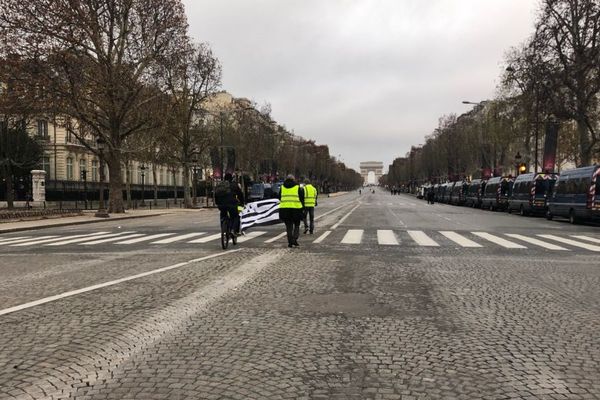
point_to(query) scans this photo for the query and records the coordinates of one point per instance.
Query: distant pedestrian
(430, 196)
(291, 199)
(310, 202)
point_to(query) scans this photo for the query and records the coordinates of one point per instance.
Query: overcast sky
(369, 78)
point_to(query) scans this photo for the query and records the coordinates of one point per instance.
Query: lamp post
(84, 178)
(143, 169)
(518, 162)
(195, 181)
(101, 213)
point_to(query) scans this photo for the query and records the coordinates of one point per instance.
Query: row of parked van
(574, 194)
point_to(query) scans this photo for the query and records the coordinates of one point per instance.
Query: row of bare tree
(553, 76)
(127, 73)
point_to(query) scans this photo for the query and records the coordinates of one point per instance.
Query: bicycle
(227, 232)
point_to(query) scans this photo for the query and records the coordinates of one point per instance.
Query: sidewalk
(88, 218)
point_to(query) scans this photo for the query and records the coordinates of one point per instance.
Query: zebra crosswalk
(350, 237)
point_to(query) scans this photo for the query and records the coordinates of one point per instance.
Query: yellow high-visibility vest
(290, 197)
(310, 195)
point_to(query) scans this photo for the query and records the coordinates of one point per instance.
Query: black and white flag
(264, 212)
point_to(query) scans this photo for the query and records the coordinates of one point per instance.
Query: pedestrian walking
(310, 202)
(291, 206)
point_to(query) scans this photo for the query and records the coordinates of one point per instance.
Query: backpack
(223, 192)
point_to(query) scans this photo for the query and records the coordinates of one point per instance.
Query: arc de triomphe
(371, 171)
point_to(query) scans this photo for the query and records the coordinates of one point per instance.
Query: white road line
(249, 236)
(353, 236)
(178, 238)
(572, 242)
(330, 211)
(206, 239)
(498, 240)
(537, 242)
(15, 240)
(79, 240)
(112, 239)
(344, 217)
(386, 237)
(110, 283)
(460, 239)
(322, 237)
(422, 239)
(588, 238)
(276, 238)
(145, 238)
(89, 236)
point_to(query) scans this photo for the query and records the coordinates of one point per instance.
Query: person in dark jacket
(229, 203)
(291, 208)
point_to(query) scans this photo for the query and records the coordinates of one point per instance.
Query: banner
(550, 145)
(264, 212)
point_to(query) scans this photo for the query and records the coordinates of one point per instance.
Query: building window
(95, 170)
(69, 168)
(46, 166)
(82, 167)
(42, 128)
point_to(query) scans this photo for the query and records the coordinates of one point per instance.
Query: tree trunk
(115, 186)
(154, 180)
(187, 201)
(585, 150)
(9, 190)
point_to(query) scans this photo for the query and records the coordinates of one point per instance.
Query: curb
(91, 221)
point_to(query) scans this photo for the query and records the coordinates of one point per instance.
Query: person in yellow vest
(291, 206)
(310, 202)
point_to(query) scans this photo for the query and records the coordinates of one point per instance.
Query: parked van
(577, 195)
(531, 192)
(458, 193)
(475, 190)
(445, 192)
(496, 192)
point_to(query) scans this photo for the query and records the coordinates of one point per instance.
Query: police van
(474, 192)
(576, 195)
(458, 193)
(531, 192)
(496, 192)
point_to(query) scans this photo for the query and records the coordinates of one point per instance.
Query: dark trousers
(232, 213)
(292, 228)
(309, 216)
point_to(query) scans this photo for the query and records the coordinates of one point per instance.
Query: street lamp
(84, 178)
(195, 181)
(101, 213)
(143, 169)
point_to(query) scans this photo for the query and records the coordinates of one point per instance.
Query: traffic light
(522, 168)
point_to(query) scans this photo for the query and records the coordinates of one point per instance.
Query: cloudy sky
(369, 78)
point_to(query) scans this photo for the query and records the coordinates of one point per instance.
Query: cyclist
(228, 196)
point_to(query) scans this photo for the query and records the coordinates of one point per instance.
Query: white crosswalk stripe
(386, 238)
(353, 236)
(588, 238)
(14, 240)
(145, 238)
(422, 239)
(56, 239)
(112, 239)
(250, 235)
(498, 240)
(571, 242)
(460, 239)
(276, 238)
(537, 242)
(206, 239)
(86, 239)
(322, 237)
(179, 238)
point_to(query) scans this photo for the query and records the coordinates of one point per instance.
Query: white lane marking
(145, 238)
(345, 216)
(390, 204)
(460, 239)
(17, 240)
(411, 204)
(206, 239)
(386, 237)
(89, 236)
(572, 242)
(422, 239)
(249, 236)
(498, 240)
(537, 242)
(109, 283)
(322, 237)
(330, 211)
(276, 238)
(79, 240)
(7, 239)
(353, 236)
(178, 238)
(112, 239)
(588, 238)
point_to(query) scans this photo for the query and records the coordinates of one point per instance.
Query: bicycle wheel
(224, 234)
